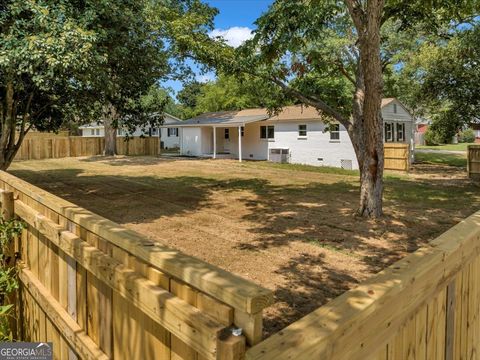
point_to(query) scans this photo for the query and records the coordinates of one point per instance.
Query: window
(267, 132)
(119, 132)
(334, 132)
(302, 130)
(227, 134)
(242, 130)
(394, 108)
(97, 132)
(154, 131)
(172, 132)
(388, 132)
(400, 132)
(92, 132)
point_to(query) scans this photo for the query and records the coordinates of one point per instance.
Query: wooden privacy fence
(425, 306)
(59, 147)
(100, 291)
(397, 156)
(473, 161)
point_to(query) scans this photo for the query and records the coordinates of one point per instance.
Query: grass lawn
(442, 158)
(449, 147)
(289, 228)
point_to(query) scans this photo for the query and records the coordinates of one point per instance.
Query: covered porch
(223, 136)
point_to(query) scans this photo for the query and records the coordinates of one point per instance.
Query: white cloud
(234, 36)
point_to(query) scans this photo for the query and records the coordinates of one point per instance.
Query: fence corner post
(230, 347)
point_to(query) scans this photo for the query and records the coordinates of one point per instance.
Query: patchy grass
(299, 167)
(442, 158)
(448, 147)
(290, 228)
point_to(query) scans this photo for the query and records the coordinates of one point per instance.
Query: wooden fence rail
(36, 148)
(473, 161)
(100, 291)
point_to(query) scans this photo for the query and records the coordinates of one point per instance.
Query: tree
(44, 46)
(331, 55)
(449, 81)
(136, 56)
(228, 92)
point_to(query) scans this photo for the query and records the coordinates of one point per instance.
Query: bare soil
(288, 229)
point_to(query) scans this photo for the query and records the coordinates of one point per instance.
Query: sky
(234, 22)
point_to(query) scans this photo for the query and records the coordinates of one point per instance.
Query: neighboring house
(476, 130)
(421, 127)
(169, 137)
(297, 135)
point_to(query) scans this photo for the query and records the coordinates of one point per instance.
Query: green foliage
(8, 275)
(431, 138)
(466, 136)
(229, 92)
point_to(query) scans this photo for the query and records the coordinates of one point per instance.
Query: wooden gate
(473, 161)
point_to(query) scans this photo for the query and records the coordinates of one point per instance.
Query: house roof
(240, 117)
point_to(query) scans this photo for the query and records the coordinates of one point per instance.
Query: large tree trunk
(367, 128)
(110, 125)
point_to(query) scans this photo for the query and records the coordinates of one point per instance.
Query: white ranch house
(169, 137)
(296, 135)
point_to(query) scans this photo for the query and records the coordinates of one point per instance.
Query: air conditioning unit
(280, 155)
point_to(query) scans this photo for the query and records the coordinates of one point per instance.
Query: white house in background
(296, 135)
(169, 137)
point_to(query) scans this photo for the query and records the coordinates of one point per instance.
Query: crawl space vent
(346, 164)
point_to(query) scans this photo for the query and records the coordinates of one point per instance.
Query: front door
(226, 141)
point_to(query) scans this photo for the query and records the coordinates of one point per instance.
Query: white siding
(170, 142)
(316, 148)
(401, 115)
(191, 141)
(97, 132)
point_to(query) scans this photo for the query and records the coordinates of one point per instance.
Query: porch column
(240, 144)
(214, 142)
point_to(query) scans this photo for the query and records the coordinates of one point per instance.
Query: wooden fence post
(7, 204)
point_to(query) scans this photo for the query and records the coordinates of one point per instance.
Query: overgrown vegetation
(9, 229)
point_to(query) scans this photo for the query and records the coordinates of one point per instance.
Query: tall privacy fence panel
(100, 291)
(36, 148)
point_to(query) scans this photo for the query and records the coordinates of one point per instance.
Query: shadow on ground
(325, 249)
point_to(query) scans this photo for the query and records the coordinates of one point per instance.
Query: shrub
(8, 276)
(432, 138)
(466, 136)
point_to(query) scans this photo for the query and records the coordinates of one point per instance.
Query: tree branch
(316, 103)
(345, 73)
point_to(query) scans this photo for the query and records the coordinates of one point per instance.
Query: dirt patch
(291, 231)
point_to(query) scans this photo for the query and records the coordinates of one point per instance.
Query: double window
(267, 132)
(242, 130)
(395, 132)
(302, 130)
(227, 134)
(172, 132)
(334, 132)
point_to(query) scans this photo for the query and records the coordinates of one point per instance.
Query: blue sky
(234, 22)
